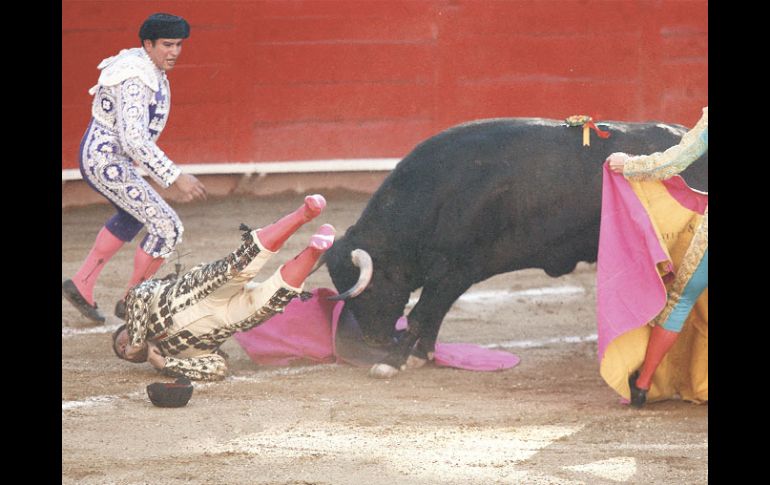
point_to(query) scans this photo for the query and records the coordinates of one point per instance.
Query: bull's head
(371, 301)
(363, 262)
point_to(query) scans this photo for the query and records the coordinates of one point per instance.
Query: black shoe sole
(120, 309)
(72, 295)
(638, 395)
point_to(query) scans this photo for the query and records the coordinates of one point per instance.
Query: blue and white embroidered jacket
(132, 100)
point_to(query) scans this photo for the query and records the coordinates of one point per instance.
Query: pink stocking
(295, 271)
(104, 248)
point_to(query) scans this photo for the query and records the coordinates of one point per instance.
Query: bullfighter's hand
(617, 160)
(154, 356)
(191, 187)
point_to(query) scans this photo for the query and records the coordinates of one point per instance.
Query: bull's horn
(363, 261)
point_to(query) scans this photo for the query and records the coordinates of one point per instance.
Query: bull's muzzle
(350, 344)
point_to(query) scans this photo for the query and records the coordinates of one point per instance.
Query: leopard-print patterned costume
(189, 318)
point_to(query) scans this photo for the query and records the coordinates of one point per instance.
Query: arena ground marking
(430, 452)
(543, 342)
(87, 402)
(74, 331)
(473, 296)
(543, 292)
(660, 446)
(548, 291)
(256, 377)
(618, 469)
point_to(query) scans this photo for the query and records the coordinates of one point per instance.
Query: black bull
(476, 200)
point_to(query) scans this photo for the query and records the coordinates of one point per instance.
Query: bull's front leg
(395, 361)
(424, 324)
(425, 349)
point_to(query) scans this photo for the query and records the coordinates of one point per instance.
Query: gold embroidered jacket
(189, 318)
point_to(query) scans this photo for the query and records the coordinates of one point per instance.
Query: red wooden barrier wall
(303, 80)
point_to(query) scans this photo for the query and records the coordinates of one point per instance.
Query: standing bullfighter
(691, 278)
(130, 108)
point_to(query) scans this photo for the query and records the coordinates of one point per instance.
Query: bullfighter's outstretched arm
(205, 367)
(209, 367)
(662, 165)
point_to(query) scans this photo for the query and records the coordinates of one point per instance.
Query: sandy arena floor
(550, 420)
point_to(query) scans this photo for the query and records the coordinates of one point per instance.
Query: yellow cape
(684, 371)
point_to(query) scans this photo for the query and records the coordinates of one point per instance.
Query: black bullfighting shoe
(72, 294)
(638, 395)
(120, 309)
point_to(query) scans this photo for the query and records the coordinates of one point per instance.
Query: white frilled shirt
(131, 104)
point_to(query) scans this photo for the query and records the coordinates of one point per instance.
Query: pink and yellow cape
(646, 227)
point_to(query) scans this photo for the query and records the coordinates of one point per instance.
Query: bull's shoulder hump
(548, 122)
(511, 125)
(639, 126)
(499, 126)
(492, 122)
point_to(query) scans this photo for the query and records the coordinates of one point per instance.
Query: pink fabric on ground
(473, 357)
(302, 331)
(468, 356)
(629, 290)
(306, 330)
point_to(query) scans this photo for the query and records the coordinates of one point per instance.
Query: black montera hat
(164, 25)
(170, 395)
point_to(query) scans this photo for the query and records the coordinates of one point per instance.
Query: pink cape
(629, 290)
(306, 331)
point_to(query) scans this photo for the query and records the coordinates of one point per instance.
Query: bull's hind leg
(424, 324)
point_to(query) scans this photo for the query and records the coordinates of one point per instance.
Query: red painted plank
(211, 150)
(692, 75)
(553, 100)
(496, 57)
(283, 8)
(543, 18)
(329, 102)
(683, 110)
(194, 122)
(341, 63)
(307, 141)
(683, 15)
(339, 28)
(315, 79)
(209, 46)
(102, 16)
(123, 19)
(81, 53)
(685, 47)
(201, 84)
